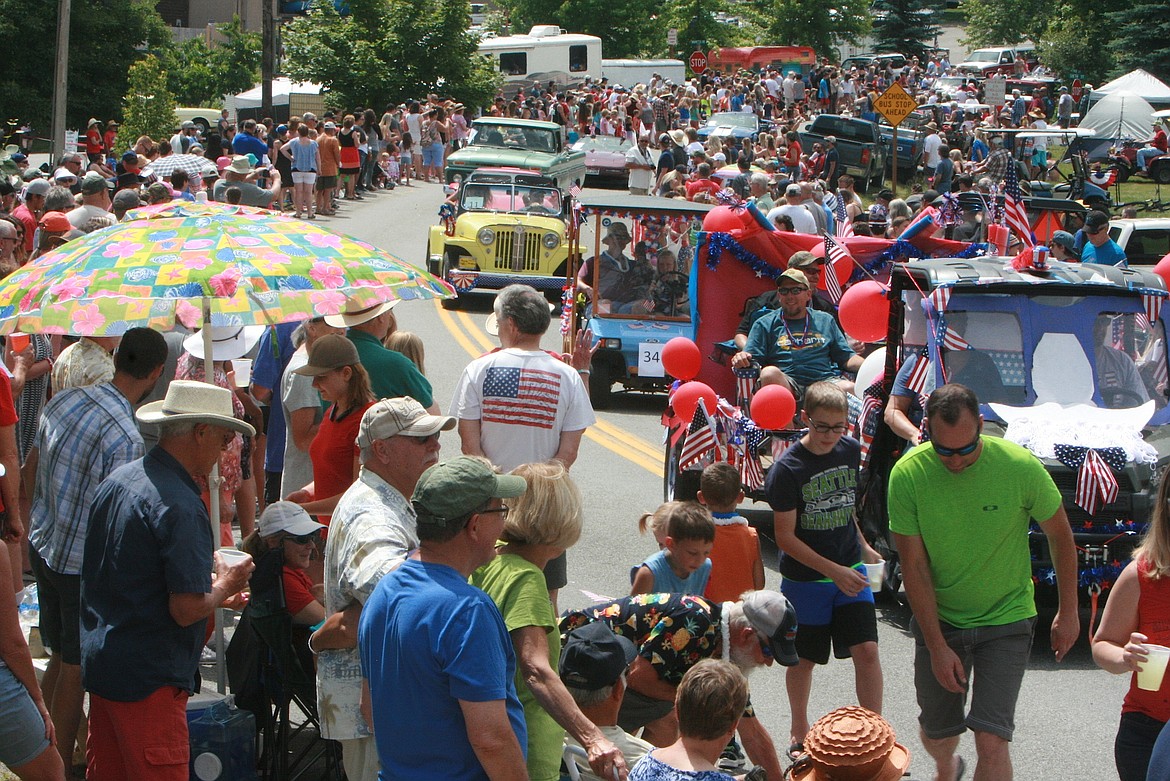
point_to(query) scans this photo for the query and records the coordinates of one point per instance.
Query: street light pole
(60, 80)
(267, 58)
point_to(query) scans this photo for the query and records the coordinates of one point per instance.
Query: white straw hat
(227, 341)
(197, 401)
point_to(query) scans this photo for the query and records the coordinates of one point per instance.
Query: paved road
(1068, 712)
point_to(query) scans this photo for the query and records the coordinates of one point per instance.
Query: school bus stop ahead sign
(895, 104)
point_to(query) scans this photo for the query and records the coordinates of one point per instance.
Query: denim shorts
(432, 155)
(994, 658)
(22, 730)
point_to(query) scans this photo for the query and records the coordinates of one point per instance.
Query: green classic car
(518, 143)
(508, 227)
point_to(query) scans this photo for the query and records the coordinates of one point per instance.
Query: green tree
(627, 29)
(1069, 52)
(695, 21)
(105, 38)
(201, 76)
(1006, 22)
(389, 50)
(905, 26)
(812, 23)
(149, 107)
(1141, 36)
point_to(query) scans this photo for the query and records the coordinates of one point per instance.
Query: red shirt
(298, 590)
(1154, 623)
(1160, 139)
(333, 451)
(93, 141)
(701, 186)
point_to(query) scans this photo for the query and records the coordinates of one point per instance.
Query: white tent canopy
(281, 89)
(1140, 83)
(1121, 114)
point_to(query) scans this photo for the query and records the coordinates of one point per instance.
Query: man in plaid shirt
(85, 433)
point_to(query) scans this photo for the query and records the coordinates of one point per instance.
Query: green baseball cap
(454, 489)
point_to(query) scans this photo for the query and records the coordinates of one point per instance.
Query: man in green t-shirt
(960, 508)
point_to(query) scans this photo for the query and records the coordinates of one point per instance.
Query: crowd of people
(427, 589)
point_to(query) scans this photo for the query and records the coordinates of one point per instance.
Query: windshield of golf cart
(638, 265)
(1029, 350)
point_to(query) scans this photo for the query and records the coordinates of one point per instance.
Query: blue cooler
(223, 739)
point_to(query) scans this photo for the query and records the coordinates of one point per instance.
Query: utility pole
(60, 81)
(267, 58)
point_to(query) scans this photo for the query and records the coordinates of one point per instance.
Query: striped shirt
(84, 435)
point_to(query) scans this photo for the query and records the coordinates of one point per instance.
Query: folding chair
(288, 681)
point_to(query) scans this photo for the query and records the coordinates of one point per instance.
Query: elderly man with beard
(753, 632)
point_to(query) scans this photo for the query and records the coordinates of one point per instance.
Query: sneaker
(732, 759)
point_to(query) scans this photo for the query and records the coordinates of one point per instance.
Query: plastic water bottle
(30, 608)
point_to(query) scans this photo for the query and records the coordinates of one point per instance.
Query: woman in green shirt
(538, 527)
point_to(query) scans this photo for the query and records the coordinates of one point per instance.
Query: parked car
(951, 86)
(863, 61)
(204, 118)
(861, 148)
(518, 143)
(911, 133)
(631, 333)
(997, 59)
(1145, 241)
(605, 160)
(508, 227)
(736, 124)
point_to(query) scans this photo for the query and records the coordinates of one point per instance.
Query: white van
(547, 53)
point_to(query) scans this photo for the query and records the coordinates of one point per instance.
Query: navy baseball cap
(595, 657)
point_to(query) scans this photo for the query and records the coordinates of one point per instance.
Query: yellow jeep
(506, 226)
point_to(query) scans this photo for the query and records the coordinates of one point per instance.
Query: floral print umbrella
(240, 265)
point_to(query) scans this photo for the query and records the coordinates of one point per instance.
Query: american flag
(745, 384)
(950, 338)
(575, 190)
(751, 474)
(940, 297)
(700, 437)
(1096, 485)
(871, 404)
(920, 374)
(834, 254)
(844, 227)
(520, 397)
(1013, 204)
(1153, 305)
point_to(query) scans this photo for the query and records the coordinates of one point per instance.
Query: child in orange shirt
(736, 565)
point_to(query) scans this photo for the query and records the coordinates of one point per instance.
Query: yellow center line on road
(628, 446)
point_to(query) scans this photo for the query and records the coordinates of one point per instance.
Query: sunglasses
(766, 648)
(502, 510)
(429, 438)
(301, 539)
(965, 450)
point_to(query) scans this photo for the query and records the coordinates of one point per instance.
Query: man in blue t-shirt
(435, 652)
(1099, 248)
(247, 142)
(796, 345)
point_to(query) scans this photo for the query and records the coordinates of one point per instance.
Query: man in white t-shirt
(519, 405)
(793, 208)
(930, 146)
(640, 164)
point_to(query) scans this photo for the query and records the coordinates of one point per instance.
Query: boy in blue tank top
(683, 565)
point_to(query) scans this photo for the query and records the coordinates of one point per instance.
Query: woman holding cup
(1133, 638)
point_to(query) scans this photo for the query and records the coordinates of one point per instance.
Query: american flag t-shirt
(521, 397)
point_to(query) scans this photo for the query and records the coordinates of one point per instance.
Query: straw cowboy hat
(353, 314)
(227, 341)
(198, 402)
(851, 744)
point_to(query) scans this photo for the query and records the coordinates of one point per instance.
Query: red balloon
(723, 219)
(1163, 269)
(681, 358)
(686, 398)
(773, 407)
(865, 312)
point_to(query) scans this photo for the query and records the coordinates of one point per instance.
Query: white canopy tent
(1120, 114)
(1139, 82)
(282, 88)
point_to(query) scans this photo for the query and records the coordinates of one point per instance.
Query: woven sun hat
(227, 341)
(851, 744)
(197, 401)
(353, 314)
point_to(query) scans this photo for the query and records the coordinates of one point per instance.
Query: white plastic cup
(232, 556)
(201, 196)
(1150, 675)
(243, 369)
(875, 573)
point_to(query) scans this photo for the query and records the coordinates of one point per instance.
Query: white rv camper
(547, 53)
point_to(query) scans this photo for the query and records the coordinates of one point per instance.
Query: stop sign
(698, 63)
